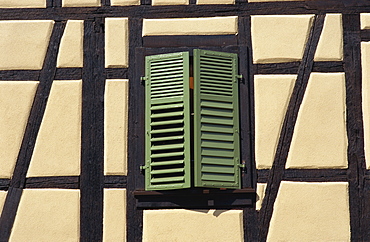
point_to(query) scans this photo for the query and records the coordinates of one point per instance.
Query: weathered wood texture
(277, 171)
(308, 175)
(145, 10)
(135, 131)
(355, 133)
(92, 133)
(18, 180)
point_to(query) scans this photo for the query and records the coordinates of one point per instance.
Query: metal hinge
(142, 168)
(142, 80)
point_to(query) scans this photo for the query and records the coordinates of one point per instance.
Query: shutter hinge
(142, 80)
(240, 77)
(241, 165)
(142, 168)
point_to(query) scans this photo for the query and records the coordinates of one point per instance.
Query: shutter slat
(216, 120)
(167, 122)
(166, 138)
(167, 171)
(169, 154)
(169, 114)
(159, 131)
(167, 163)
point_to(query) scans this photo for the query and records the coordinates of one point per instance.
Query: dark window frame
(196, 197)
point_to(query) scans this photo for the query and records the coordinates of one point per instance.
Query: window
(192, 121)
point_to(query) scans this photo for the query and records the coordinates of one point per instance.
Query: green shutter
(167, 121)
(216, 120)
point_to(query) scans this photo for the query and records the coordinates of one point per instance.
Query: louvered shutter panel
(216, 120)
(167, 121)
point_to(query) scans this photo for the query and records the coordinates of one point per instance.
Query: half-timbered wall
(72, 120)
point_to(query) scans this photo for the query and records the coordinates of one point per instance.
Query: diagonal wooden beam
(277, 171)
(18, 180)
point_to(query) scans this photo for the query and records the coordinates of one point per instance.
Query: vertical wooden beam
(135, 180)
(355, 131)
(92, 132)
(18, 180)
(277, 171)
(246, 87)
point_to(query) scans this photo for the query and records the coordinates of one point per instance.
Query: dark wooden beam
(92, 133)
(277, 171)
(145, 10)
(18, 180)
(292, 67)
(63, 182)
(189, 40)
(135, 180)
(113, 181)
(246, 103)
(4, 184)
(308, 175)
(355, 130)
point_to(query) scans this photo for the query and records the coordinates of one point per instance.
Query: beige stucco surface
(58, 144)
(2, 200)
(365, 59)
(330, 46)
(16, 98)
(23, 43)
(170, 2)
(116, 42)
(71, 45)
(215, 1)
(272, 94)
(261, 188)
(115, 127)
(114, 215)
(279, 38)
(365, 20)
(311, 211)
(23, 4)
(47, 215)
(182, 225)
(320, 139)
(81, 3)
(124, 2)
(191, 26)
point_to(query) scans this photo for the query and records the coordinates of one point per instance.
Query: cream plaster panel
(58, 144)
(319, 139)
(170, 2)
(215, 1)
(124, 2)
(193, 225)
(261, 188)
(306, 211)
(279, 38)
(23, 43)
(330, 46)
(365, 58)
(272, 95)
(116, 42)
(71, 46)
(115, 127)
(191, 26)
(365, 20)
(16, 98)
(114, 215)
(23, 4)
(2, 200)
(47, 215)
(81, 3)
